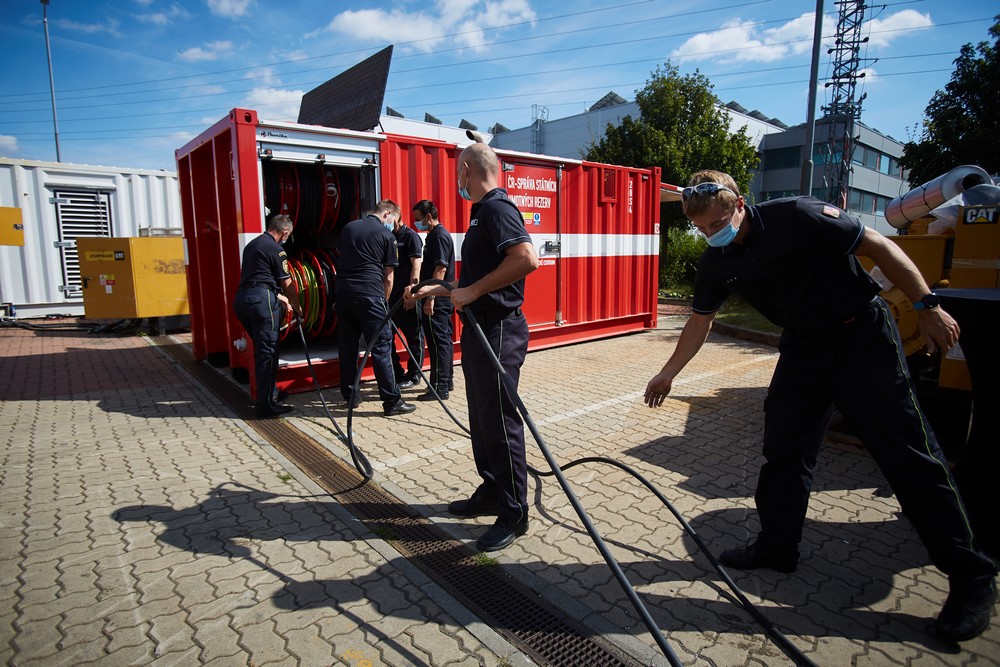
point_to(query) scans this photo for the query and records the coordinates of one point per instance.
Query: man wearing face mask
(265, 290)
(497, 255)
(409, 250)
(794, 260)
(438, 263)
(364, 282)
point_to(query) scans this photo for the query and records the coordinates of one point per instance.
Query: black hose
(556, 471)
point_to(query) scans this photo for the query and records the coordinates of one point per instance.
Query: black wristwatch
(928, 302)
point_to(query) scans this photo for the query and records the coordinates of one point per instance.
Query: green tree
(681, 129)
(961, 124)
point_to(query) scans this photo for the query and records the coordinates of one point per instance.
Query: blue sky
(136, 79)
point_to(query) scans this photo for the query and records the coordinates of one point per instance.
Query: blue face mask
(421, 225)
(723, 237)
(464, 192)
(388, 225)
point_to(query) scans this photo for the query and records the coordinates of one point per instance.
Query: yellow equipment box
(977, 247)
(133, 277)
(11, 226)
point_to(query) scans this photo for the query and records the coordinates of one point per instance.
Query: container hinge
(552, 246)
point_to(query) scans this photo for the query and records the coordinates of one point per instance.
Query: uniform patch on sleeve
(284, 266)
(831, 211)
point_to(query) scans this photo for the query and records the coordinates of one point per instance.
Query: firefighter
(793, 259)
(497, 254)
(265, 290)
(438, 263)
(364, 283)
(409, 251)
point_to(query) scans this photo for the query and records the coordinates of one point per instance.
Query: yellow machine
(133, 277)
(965, 254)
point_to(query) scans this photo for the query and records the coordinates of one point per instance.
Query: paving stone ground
(144, 524)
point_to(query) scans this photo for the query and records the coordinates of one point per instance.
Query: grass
(736, 312)
(739, 313)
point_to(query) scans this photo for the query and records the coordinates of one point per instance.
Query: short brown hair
(699, 204)
(280, 223)
(387, 205)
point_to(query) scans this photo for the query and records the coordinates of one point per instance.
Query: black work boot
(757, 555)
(502, 534)
(966, 612)
(482, 502)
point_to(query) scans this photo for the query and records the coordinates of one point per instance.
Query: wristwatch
(928, 302)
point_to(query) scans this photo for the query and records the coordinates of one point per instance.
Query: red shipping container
(595, 227)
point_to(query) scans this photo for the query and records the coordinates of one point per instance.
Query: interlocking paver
(146, 520)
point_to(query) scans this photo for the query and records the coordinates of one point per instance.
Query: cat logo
(975, 215)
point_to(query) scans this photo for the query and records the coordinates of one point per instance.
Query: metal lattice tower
(844, 109)
(539, 116)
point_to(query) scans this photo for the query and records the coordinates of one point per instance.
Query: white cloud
(274, 104)
(882, 32)
(229, 8)
(264, 75)
(747, 41)
(8, 145)
(110, 27)
(453, 21)
(171, 15)
(869, 76)
(212, 51)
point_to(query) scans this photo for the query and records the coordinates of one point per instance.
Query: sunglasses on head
(704, 190)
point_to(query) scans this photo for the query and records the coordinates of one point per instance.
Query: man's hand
(463, 296)
(938, 328)
(657, 389)
(429, 306)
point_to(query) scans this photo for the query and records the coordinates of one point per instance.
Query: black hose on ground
(556, 471)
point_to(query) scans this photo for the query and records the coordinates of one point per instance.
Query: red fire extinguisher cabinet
(595, 228)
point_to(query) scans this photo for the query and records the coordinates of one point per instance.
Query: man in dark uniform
(497, 254)
(265, 290)
(364, 282)
(409, 249)
(794, 260)
(439, 264)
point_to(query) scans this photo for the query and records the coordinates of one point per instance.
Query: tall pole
(52, 85)
(805, 184)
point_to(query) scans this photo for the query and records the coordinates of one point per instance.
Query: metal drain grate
(506, 605)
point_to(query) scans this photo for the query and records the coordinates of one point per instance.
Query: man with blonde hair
(795, 261)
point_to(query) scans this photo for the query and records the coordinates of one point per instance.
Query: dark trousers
(260, 313)
(496, 427)
(408, 324)
(859, 367)
(359, 315)
(440, 348)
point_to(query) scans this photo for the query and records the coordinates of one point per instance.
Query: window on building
(880, 204)
(854, 200)
(884, 164)
(782, 158)
(871, 158)
(867, 202)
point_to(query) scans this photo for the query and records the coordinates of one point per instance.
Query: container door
(535, 190)
(79, 214)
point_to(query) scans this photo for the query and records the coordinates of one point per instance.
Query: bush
(680, 250)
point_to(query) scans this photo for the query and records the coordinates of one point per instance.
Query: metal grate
(79, 214)
(543, 633)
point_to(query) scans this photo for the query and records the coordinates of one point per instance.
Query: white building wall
(30, 276)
